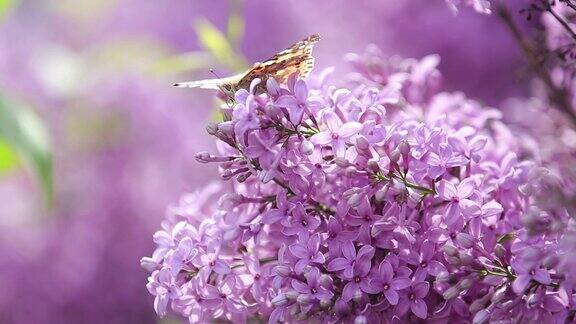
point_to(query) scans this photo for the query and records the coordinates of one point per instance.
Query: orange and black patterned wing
(296, 58)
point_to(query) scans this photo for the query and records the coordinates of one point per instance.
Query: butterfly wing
(215, 84)
(296, 58)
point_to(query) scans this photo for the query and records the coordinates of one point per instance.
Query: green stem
(409, 184)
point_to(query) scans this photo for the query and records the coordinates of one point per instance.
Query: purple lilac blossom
(100, 218)
(419, 239)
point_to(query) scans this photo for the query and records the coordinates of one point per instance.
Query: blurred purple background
(99, 74)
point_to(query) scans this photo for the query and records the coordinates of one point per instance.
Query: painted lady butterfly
(297, 58)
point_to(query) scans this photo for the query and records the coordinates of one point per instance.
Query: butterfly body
(295, 59)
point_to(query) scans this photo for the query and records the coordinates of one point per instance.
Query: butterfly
(295, 59)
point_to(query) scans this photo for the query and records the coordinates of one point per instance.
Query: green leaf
(25, 133)
(6, 6)
(218, 45)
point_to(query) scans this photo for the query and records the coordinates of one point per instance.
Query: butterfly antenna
(223, 89)
(214, 73)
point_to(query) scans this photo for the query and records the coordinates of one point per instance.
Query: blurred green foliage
(235, 24)
(6, 6)
(216, 43)
(23, 136)
(186, 62)
(218, 48)
(23, 133)
(8, 158)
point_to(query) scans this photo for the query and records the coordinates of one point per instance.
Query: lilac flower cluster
(377, 200)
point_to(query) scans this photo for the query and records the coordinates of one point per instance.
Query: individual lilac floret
(414, 300)
(349, 259)
(384, 282)
(379, 200)
(457, 198)
(336, 133)
(307, 253)
(525, 273)
(312, 289)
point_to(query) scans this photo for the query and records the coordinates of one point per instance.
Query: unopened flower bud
(149, 264)
(341, 162)
(274, 112)
(404, 148)
(398, 187)
(299, 316)
(414, 198)
(465, 240)
(227, 165)
(362, 143)
(481, 317)
(550, 261)
(243, 177)
(443, 277)
(230, 200)
(354, 200)
(507, 304)
(380, 150)
(306, 147)
(279, 300)
(255, 228)
(227, 114)
(283, 271)
(231, 234)
(500, 251)
(292, 295)
(450, 250)
(493, 280)
(227, 174)
(266, 175)
(325, 280)
(478, 304)
(536, 221)
(395, 156)
(466, 258)
(325, 303)
(454, 260)
(350, 192)
(304, 299)
(212, 128)
(499, 294)
(360, 319)
(526, 189)
(451, 293)
(384, 163)
(533, 300)
(350, 171)
(226, 128)
(358, 296)
(373, 166)
(465, 283)
(203, 157)
(380, 195)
